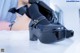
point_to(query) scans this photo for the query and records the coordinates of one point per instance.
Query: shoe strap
(36, 21)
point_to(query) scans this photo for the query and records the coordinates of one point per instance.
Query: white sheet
(18, 42)
(74, 48)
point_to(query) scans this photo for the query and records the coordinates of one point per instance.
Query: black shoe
(42, 29)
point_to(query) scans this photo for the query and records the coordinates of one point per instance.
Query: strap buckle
(36, 21)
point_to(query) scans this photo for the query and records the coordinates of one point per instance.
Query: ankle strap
(36, 21)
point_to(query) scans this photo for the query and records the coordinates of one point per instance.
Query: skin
(21, 22)
(24, 2)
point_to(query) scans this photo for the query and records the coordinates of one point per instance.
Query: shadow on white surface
(18, 42)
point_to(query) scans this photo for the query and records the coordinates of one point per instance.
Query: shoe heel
(32, 36)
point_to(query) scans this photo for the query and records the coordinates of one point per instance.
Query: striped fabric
(5, 5)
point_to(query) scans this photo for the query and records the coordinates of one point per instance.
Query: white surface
(18, 42)
(74, 48)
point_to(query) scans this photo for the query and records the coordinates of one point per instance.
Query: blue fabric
(5, 5)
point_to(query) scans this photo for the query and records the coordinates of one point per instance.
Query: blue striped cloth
(5, 5)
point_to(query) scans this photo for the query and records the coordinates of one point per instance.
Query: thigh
(21, 23)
